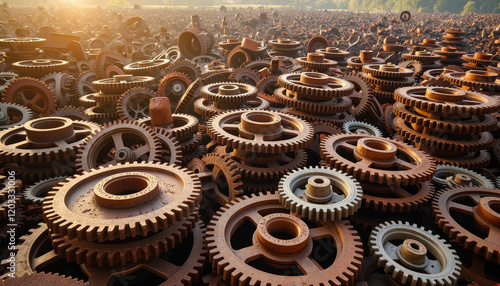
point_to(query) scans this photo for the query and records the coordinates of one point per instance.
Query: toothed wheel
(42, 279)
(106, 58)
(189, 68)
(83, 84)
(71, 112)
(146, 67)
(31, 93)
(316, 43)
(12, 114)
(255, 241)
(316, 86)
(62, 84)
(377, 159)
(186, 102)
(39, 67)
(319, 193)
(362, 97)
(362, 128)
(469, 215)
(118, 139)
(121, 83)
(36, 193)
(245, 75)
(108, 203)
(183, 126)
(228, 94)
(173, 86)
(451, 176)
(413, 255)
(134, 103)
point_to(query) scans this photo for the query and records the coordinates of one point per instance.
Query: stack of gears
(335, 54)
(365, 58)
(478, 61)
(316, 97)
(284, 47)
(386, 78)
(427, 59)
(476, 80)
(22, 48)
(426, 44)
(454, 37)
(316, 63)
(452, 125)
(449, 56)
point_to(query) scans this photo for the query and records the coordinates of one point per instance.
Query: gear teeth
(180, 66)
(121, 106)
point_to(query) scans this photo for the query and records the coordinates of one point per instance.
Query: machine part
(268, 246)
(260, 131)
(477, 207)
(182, 265)
(84, 83)
(102, 113)
(239, 56)
(71, 112)
(316, 86)
(42, 279)
(12, 114)
(119, 140)
(388, 119)
(245, 75)
(316, 63)
(266, 88)
(451, 176)
(437, 100)
(44, 140)
(337, 119)
(416, 66)
(134, 27)
(376, 159)
(168, 192)
(405, 16)
(413, 255)
(387, 71)
(186, 102)
(106, 58)
(362, 97)
(209, 109)
(6, 78)
(120, 83)
(186, 67)
(329, 107)
(31, 93)
(319, 193)
(36, 193)
(173, 86)
(62, 84)
(22, 43)
(362, 128)
(194, 42)
(134, 103)
(474, 79)
(171, 151)
(471, 161)
(146, 67)
(228, 94)
(317, 42)
(183, 126)
(39, 67)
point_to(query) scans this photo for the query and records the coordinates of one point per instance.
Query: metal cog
(169, 193)
(287, 133)
(118, 138)
(232, 255)
(186, 102)
(62, 84)
(388, 119)
(377, 71)
(238, 57)
(42, 278)
(402, 250)
(12, 114)
(104, 59)
(416, 66)
(183, 126)
(6, 78)
(71, 112)
(120, 83)
(44, 140)
(471, 161)
(334, 87)
(329, 107)
(363, 128)
(146, 67)
(479, 80)
(475, 204)
(189, 68)
(173, 86)
(337, 119)
(32, 93)
(319, 193)
(208, 109)
(245, 75)
(362, 98)
(452, 176)
(228, 93)
(266, 88)
(171, 151)
(35, 194)
(134, 103)
(39, 67)
(376, 159)
(317, 42)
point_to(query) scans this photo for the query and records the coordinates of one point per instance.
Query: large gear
(475, 79)
(39, 67)
(362, 98)
(228, 94)
(125, 141)
(189, 68)
(173, 86)
(387, 71)
(476, 206)
(232, 255)
(260, 131)
(337, 119)
(134, 103)
(169, 193)
(413, 255)
(12, 114)
(316, 86)
(121, 83)
(208, 109)
(171, 150)
(22, 43)
(146, 67)
(42, 279)
(32, 93)
(44, 140)
(376, 159)
(320, 193)
(451, 176)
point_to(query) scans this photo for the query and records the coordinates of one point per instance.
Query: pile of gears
(248, 154)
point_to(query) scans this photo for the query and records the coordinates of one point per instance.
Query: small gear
(357, 127)
(376, 159)
(118, 138)
(6, 78)
(39, 67)
(233, 254)
(481, 59)
(320, 193)
(146, 67)
(36, 193)
(387, 71)
(316, 43)
(173, 86)
(102, 113)
(83, 84)
(12, 114)
(476, 206)
(451, 176)
(388, 85)
(333, 53)
(134, 27)
(423, 57)
(71, 112)
(189, 68)
(316, 86)
(404, 251)
(120, 83)
(168, 192)
(32, 93)
(437, 99)
(245, 75)
(134, 103)
(43, 140)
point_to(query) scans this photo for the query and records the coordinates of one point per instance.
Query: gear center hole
(125, 187)
(284, 230)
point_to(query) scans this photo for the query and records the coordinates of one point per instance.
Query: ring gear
(32, 93)
(36, 193)
(374, 159)
(401, 249)
(474, 204)
(320, 193)
(451, 176)
(357, 127)
(178, 193)
(118, 139)
(12, 114)
(134, 103)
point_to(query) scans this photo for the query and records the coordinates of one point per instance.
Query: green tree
(470, 7)
(118, 4)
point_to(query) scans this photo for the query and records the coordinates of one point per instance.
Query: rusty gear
(36, 193)
(362, 98)
(62, 84)
(480, 59)
(146, 67)
(120, 253)
(32, 93)
(337, 119)
(194, 42)
(494, 69)
(362, 128)
(39, 67)
(333, 53)
(376, 159)
(316, 86)
(186, 102)
(423, 57)
(475, 79)
(44, 140)
(236, 262)
(134, 103)
(102, 113)
(402, 250)
(416, 66)
(316, 43)
(208, 109)
(121, 83)
(260, 131)
(169, 193)
(451, 176)
(42, 279)
(472, 161)
(171, 151)
(316, 63)
(83, 84)
(22, 43)
(266, 88)
(186, 67)
(188, 272)
(227, 94)
(106, 58)
(245, 75)
(239, 56)
(322, 130)
(12, 114)
(437, 99)
(183, 126)
(173, 86)
(320, 193)
(476, 205)
(71, 112)
(387, 71)
(328, 107)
